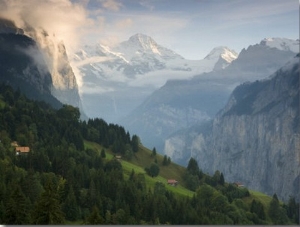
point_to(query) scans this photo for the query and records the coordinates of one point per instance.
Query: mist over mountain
(117, 79)
(48, 69)
(180, 104)
(254, 139)
(22, 65)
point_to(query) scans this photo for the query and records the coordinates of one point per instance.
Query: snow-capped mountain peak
(223, 52)
(282, 44)
(144, 41)
(139, 44)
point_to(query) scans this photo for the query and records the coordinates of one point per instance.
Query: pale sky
(192, 28)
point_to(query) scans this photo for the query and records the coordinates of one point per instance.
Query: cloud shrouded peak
(60, 18)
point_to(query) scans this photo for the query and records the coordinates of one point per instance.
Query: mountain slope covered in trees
(64, 178)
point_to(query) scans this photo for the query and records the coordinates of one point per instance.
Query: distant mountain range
(180, 104)
(117, 79)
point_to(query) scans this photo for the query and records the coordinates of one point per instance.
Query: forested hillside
(51, 175)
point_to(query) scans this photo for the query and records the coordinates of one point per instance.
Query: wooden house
(22, 150)
(172, 182)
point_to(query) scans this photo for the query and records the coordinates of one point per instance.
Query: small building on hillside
(118, 157)
(239, 184)
(22, 150)
(14, 144)
(172, 182)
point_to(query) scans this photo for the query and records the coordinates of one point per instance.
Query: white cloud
(112, 5)
(124, 24)
(91, 88)
(147, 5)
(162, 28)
(62, 18)
(159, 78)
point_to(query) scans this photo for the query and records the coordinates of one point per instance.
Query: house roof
(23, 149)
(172, 181)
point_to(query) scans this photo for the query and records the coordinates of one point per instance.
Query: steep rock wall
(255, 138)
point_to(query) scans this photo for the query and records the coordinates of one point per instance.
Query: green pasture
(143, 159)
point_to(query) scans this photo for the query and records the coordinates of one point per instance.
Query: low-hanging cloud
(61, 18)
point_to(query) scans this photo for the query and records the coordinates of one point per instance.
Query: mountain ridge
(198, 99)
(133, 69)
(259, 126)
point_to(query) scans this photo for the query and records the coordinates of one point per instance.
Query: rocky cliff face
(181, 104)
(22, 65)
(255, 138)
(39, 58)
(65, 87)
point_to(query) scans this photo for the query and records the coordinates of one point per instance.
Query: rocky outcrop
(64, 87)
(255, 138)
(39, 58)
(22, 65)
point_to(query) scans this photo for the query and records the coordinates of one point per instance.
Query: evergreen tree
(48, 209)
(222, 180)
(169, 161)
(165, 160)
(31, 186)
(132, 175)
(293, 210)
(2, 212)
(277, 213)
(95, 218)
(191, 181)
(216, 178)
(70, 206)
(103, 155)
(108, 217)
(135, 143)
(258, 208)
(153, 154)
(17, 208)
(120, 217)
(153, 170)
(92, 194)
(193, 167)
(159, 188)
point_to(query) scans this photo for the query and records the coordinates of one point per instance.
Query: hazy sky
(192, 28)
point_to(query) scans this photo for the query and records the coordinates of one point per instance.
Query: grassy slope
(143, 159)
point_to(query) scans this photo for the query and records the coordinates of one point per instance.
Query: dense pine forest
(58, 179)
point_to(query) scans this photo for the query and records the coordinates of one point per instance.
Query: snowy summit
(223, 52)
(282, 44)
